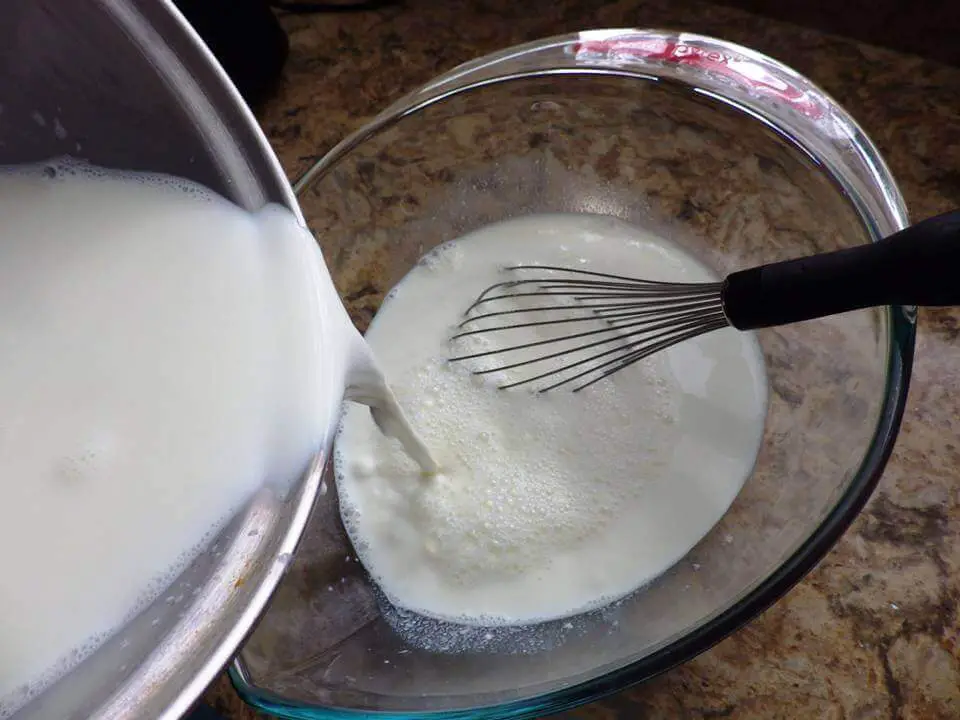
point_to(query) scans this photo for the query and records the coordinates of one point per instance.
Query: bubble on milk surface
(67, 168)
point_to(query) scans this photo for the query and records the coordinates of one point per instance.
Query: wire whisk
(585, 325)
(616, 320)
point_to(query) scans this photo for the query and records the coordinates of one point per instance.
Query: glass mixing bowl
(730, 154)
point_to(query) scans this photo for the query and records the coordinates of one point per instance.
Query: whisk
(628, 319)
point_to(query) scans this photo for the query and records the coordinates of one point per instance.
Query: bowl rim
(901, 327)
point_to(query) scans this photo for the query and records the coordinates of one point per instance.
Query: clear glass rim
(883, 216)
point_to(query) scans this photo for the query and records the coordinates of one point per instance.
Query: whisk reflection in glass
(590, 325)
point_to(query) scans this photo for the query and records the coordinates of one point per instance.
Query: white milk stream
(549, 505)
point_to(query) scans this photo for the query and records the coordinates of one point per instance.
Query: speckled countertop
(874, 631)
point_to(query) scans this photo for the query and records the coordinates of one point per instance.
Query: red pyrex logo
(741, 70)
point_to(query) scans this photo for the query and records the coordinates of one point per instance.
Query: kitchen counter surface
(874, 631)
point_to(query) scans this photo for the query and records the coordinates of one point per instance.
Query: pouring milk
(164, 354)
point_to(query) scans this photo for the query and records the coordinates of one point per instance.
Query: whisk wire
(644, 348)
(640, 317)
(610, 367)
(605, 311)
(597, 290)
(658, 324)
(614, 319)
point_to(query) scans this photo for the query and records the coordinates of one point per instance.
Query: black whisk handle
(920, 265)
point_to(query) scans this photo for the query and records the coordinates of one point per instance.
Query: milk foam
(544, 506)
(163, 354)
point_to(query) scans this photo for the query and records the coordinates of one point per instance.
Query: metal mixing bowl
(734, 156)
(128, 84)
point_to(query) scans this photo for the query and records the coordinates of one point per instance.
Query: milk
(163, 355)
(543, 506)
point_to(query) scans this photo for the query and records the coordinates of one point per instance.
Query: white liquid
(163, 354)
(547, 505)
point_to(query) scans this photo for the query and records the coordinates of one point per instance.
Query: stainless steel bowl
(128, 84)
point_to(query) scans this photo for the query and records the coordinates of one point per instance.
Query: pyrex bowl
(732, 155)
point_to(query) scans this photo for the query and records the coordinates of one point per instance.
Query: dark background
(930, 28)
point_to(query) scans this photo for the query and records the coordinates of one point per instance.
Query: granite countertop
(874, 631)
